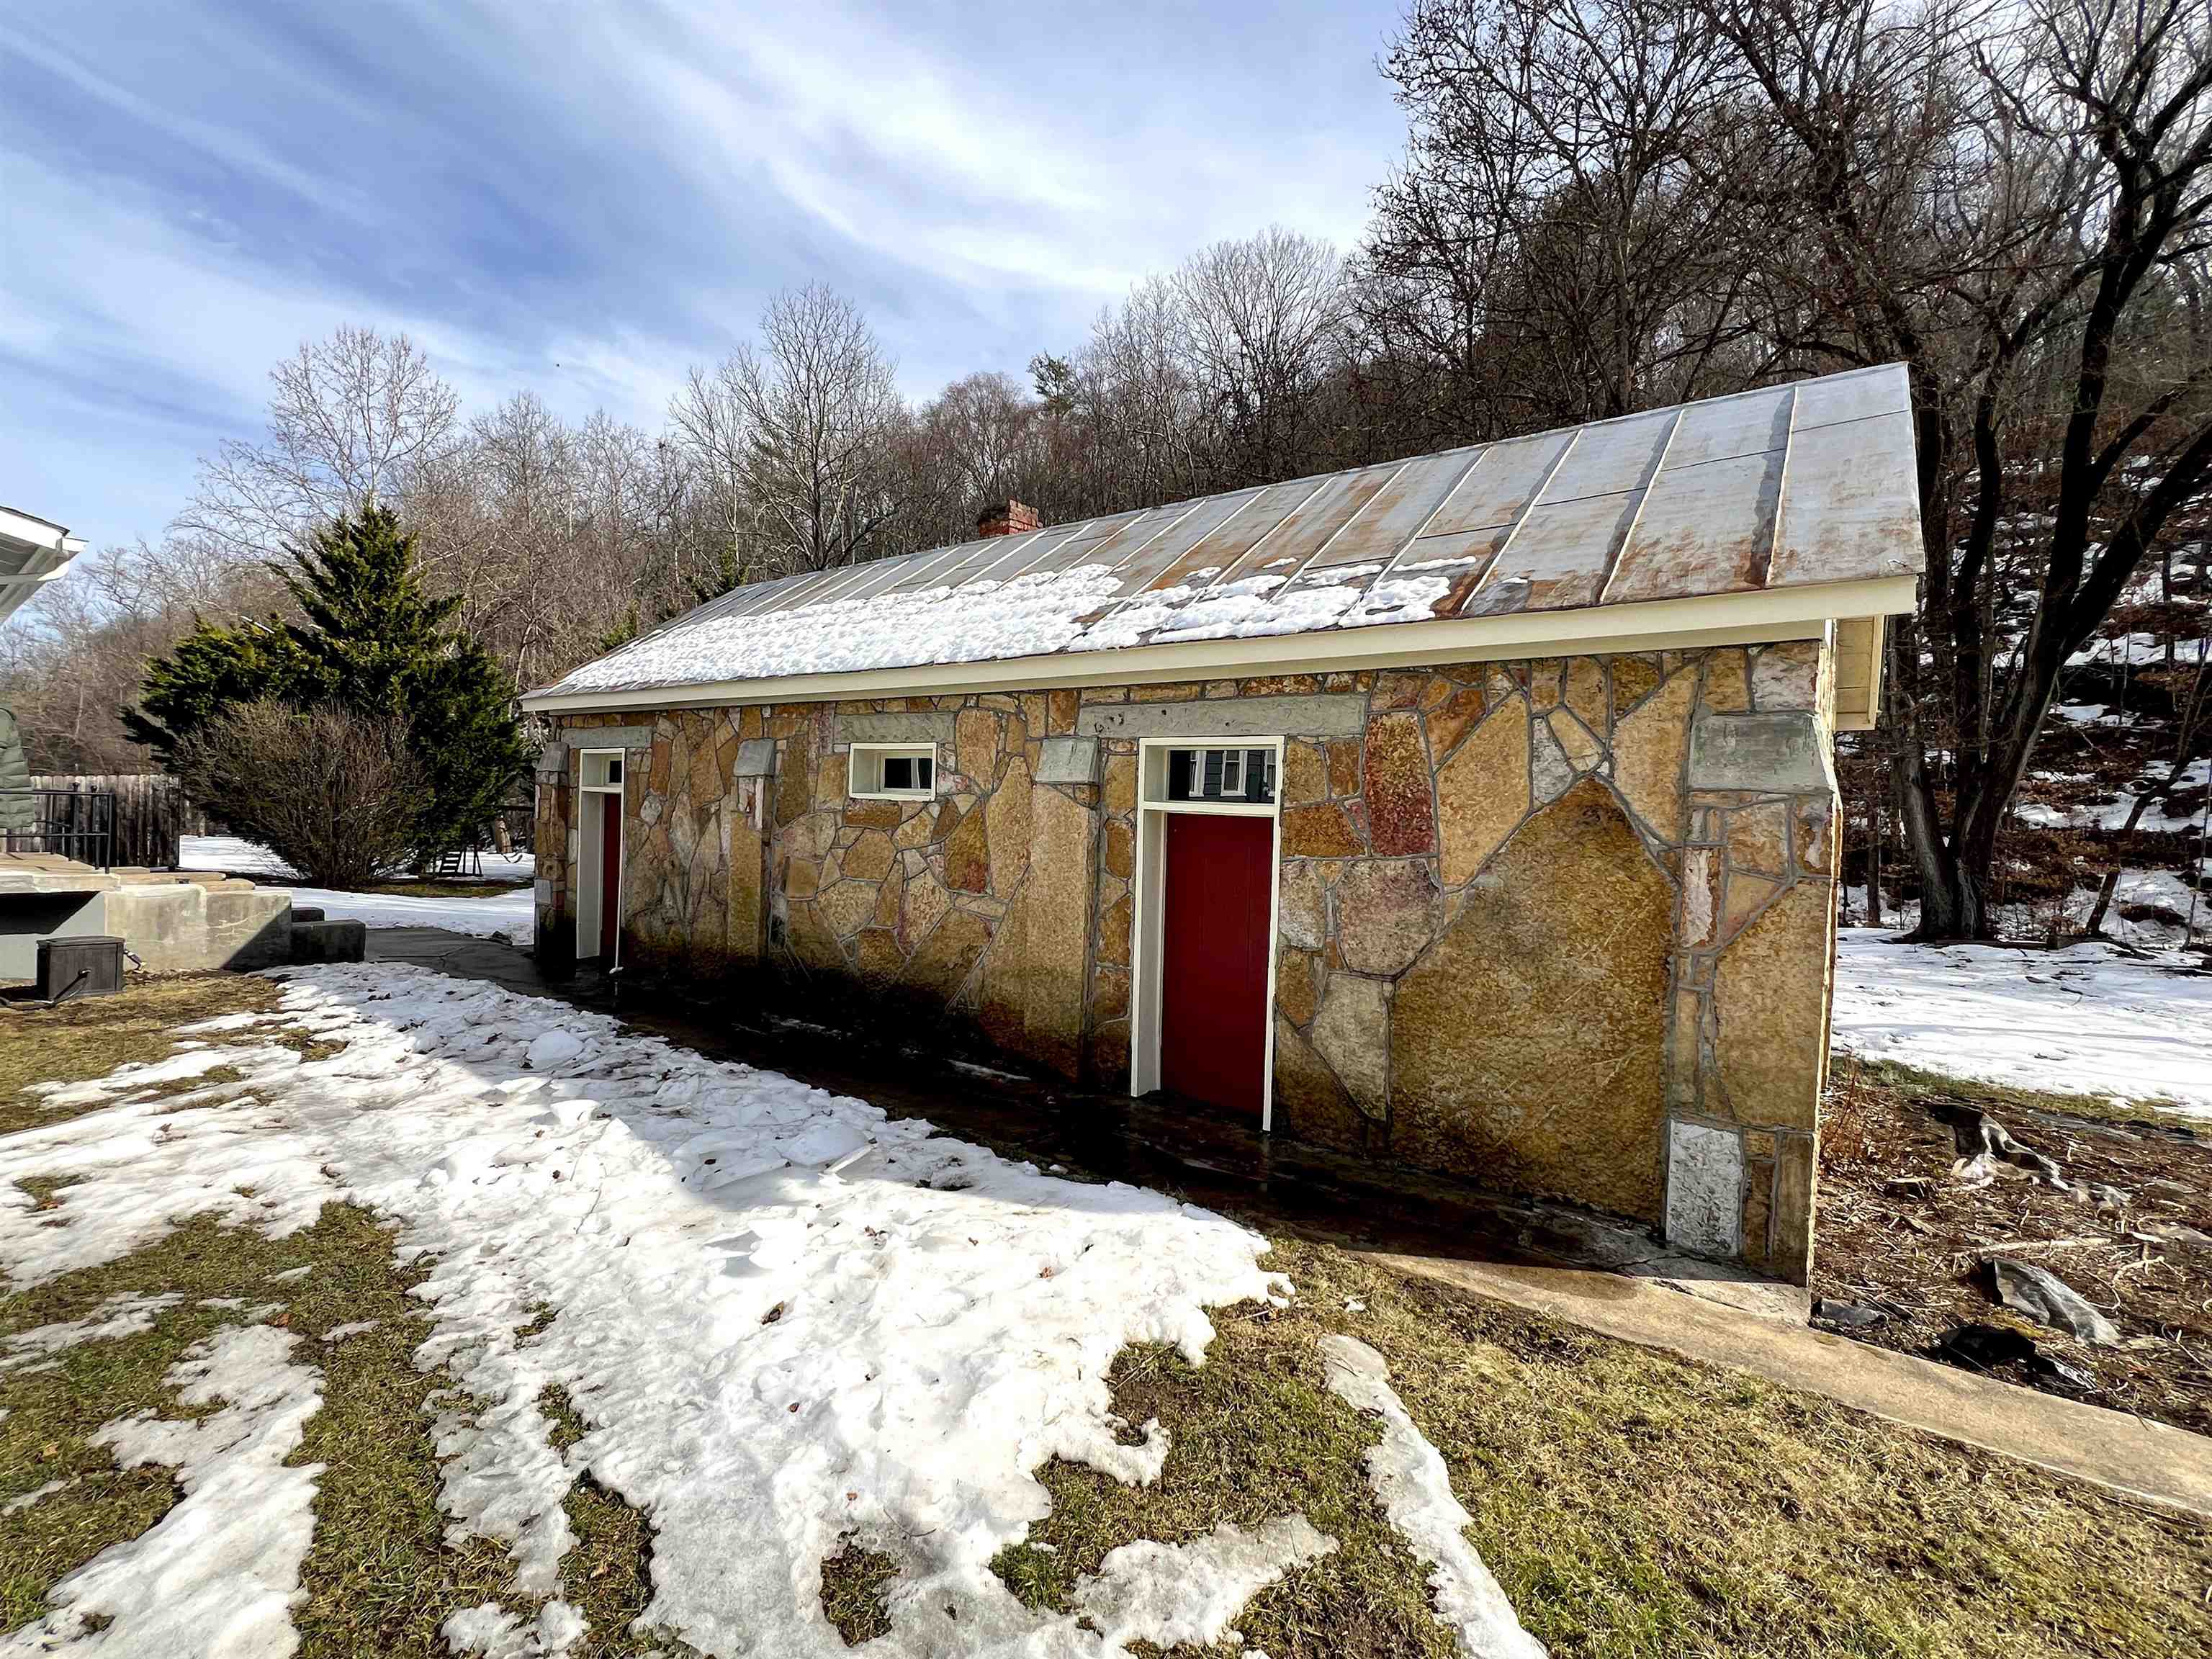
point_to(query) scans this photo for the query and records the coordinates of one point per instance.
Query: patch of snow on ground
(492, 1631)
(1173, 1594)
(1411, 1482)
(512, 913)
(771, 1356)
(235, 856)
(2140, 650)
(22, 1501)
(2085, 1020)
(127, 1314)
(2157, 819)
(218, 1574)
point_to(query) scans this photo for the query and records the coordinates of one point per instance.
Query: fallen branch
(2015, 1246)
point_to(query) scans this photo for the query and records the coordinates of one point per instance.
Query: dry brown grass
(1896, 1228)
(1630, 1503)
(90, 1036)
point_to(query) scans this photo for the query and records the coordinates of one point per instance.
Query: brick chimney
(1011, 518)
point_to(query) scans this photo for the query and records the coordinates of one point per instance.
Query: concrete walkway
(1545, 1259)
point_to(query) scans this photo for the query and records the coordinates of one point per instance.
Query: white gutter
(32, 552)
(1801, 611)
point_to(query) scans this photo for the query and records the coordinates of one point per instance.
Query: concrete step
(327, 941)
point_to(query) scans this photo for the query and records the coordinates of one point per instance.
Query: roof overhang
(1858, 672)
(32, 552)
(1801, 612)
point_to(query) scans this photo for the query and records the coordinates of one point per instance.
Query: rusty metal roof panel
(803, 590)
(1704, 528)
(1729, 427)
(932, 570)
(1314, 522)
(1786, 486)
(1853, 397)
(1851, 509)
(1132, 534)
(1611, 457)
(1064, 553)
(1398, 510)
(1433, 578)
(1498, 487)
(1212, 555)
(885, 573)
(1558, 555)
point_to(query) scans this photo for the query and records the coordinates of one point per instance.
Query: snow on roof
(1786, 487)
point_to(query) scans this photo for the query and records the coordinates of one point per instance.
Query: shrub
(330, 792)
(371, 639)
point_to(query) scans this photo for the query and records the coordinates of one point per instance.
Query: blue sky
(585, 198)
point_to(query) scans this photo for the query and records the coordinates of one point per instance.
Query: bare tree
(1139, 404)
(2016, 203)
(74, 657)
(804, 425)
(1262, 324)
(352, 419)
(1551, 240)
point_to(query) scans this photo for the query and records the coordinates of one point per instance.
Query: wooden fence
(151, 817)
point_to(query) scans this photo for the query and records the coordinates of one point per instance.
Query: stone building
(1475, 813)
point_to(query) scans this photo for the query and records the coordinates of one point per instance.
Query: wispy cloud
(582, 199)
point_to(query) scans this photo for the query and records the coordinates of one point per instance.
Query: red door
(610, 873)
(1213, 965)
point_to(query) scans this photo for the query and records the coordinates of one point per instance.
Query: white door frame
(1148, 922)
(590, 859)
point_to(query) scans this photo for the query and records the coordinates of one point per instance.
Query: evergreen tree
(373, 641)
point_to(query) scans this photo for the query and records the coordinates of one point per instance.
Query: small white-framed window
(894, 771)
(602, 768)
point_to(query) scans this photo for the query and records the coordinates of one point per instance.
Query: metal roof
(1786, 487)
(32, 551)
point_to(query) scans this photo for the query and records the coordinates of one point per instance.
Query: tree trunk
(2185, 736)
(1877, 826)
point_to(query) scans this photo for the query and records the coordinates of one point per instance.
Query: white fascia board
(1747, 618)
(34, 531)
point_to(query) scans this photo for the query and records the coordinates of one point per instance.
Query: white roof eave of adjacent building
(32, 552)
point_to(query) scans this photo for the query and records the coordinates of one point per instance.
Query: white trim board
(1748, 618)
(1147, 922)
(595, 889)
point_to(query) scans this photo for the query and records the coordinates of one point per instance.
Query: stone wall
(1561, 927)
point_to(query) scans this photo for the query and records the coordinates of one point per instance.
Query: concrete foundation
(172, 922)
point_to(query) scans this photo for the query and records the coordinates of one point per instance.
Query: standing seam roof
(1786, 486)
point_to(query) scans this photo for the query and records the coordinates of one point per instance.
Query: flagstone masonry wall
(1563, 927)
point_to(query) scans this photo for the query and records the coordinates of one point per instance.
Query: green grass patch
(379, 1576)
(1631, 1503)
(853, 1584)
(1250, 1439)
(607, 1576)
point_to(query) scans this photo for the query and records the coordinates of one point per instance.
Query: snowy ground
(511, 914)
(786, 1319)
(2085, 1020)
